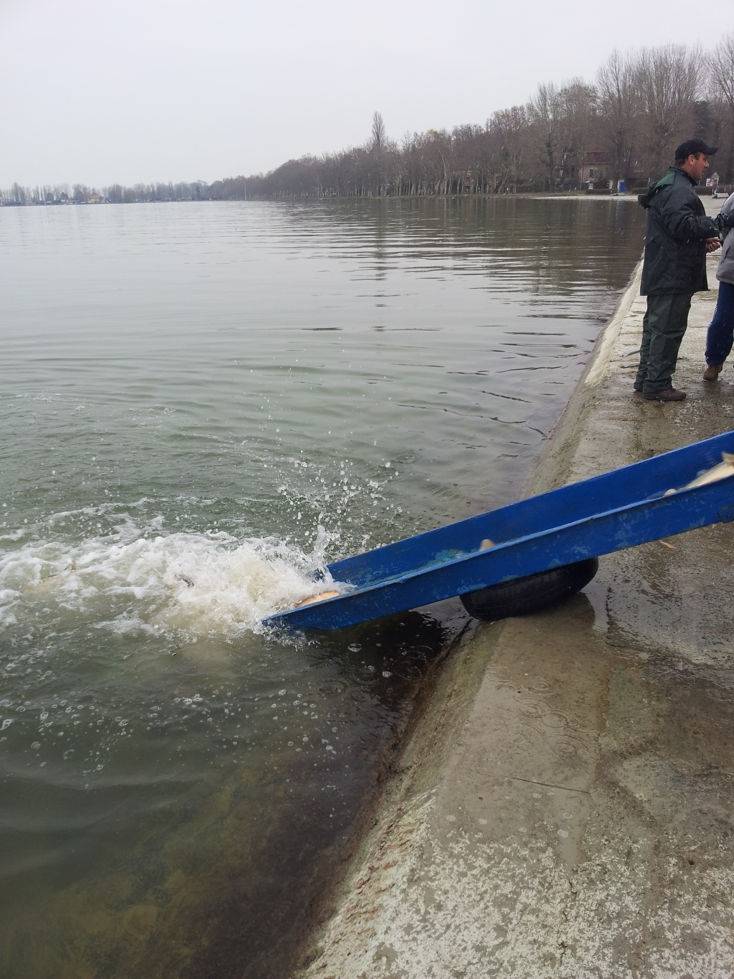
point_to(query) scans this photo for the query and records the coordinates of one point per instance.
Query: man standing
(674, 267)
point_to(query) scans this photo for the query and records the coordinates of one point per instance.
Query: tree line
(114, 194)
(622, 126)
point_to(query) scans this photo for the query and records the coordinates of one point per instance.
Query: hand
(712, 244)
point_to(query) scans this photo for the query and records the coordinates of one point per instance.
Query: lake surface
(201, 405)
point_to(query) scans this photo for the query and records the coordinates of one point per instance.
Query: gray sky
(104, 91)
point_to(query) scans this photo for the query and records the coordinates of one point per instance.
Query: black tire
(530, 594)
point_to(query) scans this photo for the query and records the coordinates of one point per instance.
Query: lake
(201, 405)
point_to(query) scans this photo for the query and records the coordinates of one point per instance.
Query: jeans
(663, 327)
(721, 329)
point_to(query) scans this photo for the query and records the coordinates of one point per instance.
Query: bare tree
(619, 108)
(722, 70)
(722, 95)
(509, 129)
(669, 80)
(543, 111)
(375, 177)
(378, 131)
(18, 194)
(577, 118)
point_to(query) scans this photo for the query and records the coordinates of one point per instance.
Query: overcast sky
(104, 91)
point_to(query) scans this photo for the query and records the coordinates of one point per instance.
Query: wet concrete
(564, 805)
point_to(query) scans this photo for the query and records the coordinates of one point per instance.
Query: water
(201, 405)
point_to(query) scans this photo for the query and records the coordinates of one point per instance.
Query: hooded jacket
(725, 271)
(677, 229)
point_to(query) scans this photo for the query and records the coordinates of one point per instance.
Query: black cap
(694, 146)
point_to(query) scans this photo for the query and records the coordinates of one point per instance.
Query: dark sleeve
(678, 215)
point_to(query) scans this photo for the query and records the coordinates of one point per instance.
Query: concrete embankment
(564, 805)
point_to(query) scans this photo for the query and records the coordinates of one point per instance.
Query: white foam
(135, 580)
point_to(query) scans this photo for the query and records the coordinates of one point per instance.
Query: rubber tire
(530, 594)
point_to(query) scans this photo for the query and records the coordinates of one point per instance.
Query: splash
(134, 580)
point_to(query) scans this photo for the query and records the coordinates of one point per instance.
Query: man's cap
(694, 146)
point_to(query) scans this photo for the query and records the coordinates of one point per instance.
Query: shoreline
(563, 802)
(550, 195)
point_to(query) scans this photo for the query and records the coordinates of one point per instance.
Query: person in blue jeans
(720, 334)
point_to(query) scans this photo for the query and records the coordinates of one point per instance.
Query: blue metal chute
(596, 516)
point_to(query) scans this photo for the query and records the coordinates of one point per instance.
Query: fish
(722, 470)
(321, 597)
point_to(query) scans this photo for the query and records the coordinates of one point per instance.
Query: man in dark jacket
(678, 236)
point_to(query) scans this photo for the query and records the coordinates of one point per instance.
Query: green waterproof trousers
(662, 331)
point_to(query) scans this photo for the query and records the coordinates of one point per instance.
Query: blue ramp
(619, 509)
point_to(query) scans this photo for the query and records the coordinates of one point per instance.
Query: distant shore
(577, 194)
(548, 195)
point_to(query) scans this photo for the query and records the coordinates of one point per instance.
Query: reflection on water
(201, 405)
